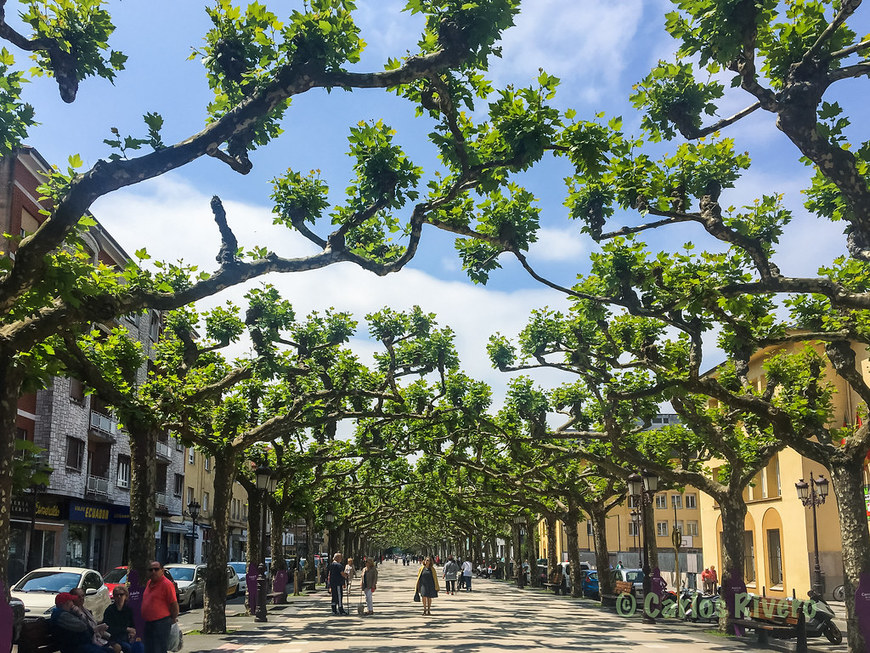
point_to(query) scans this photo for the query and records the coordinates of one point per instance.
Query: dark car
(17, 606)
(589, 583)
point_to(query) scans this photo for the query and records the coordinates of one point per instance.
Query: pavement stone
(495, 617)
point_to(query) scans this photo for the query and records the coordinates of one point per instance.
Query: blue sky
(598, 49)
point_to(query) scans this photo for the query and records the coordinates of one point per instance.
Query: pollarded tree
(256, 64)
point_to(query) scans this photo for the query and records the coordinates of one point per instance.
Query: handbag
(360, 609)
(176, 639)
(416, 597)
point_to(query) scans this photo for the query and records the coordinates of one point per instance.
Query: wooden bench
(769, 616)
(37, 637)
(623, 587)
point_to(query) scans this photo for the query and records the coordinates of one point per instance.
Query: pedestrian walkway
(496, 616)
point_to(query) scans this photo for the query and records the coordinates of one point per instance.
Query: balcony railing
(164, 450)
(161, 500)
(104, 423)
(98, 485)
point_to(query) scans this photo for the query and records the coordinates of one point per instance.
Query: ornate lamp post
(813, 494)
(644, 486)
(193, 510)
(266, 483)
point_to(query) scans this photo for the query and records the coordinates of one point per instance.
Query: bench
(36, 637)
(769, 616)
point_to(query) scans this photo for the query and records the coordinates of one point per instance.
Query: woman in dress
(427, 585)
(369, 584)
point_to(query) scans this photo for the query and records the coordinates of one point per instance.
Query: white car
(39, 587)
(241, 569)
(191, 584)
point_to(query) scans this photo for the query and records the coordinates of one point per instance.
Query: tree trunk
(214, 618)
(531, 553)
(848, 483)
(552, 553)
(277, 538)
(733, 510)
(253, 550)
(10, 389)
(310, 571)
(143, 480)
(571, 519)
(602, 557)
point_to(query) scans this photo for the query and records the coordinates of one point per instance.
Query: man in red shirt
(159, 609)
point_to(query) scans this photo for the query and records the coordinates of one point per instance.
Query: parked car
(234, 582)
(39, 587)
(634, 576)
(17, 606)
(190, 580)
(118, 576)
(241, 569)
(589, 583)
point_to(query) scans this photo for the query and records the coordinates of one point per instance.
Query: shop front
(96, 535)
(36, 533)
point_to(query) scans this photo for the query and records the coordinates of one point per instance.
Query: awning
(169, 527)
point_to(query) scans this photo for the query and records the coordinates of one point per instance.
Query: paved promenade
(495, 617)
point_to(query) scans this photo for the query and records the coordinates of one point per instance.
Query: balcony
(161, 501)
(164, 450)
(98, 486)
(103, 428)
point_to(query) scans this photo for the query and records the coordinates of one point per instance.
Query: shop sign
(94, 513)
(45, 508)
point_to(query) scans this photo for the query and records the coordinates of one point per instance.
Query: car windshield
(182, 573)
(49, 581)
(239, 567)
(592, 575)
(634, 576)
(116, 576)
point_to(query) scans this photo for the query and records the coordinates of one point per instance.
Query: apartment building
(81, 518)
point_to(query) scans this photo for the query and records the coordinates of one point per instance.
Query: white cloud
(575, 40)
(180, 225)
(557, 245)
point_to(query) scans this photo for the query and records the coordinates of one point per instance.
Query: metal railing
(98, 485)
(104, 423)
(164, 450)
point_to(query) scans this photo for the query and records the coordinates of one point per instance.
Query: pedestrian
(466, 574)
(350, 570)
(619, 564)
(714, 579)
(369, 584)
(70, 631)
(707, 581)
(335, 579)
(99, 630)
(118, 618)
(427, 585)
(159, 609)
(451, 569)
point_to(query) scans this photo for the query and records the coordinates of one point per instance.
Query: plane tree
(255, 63)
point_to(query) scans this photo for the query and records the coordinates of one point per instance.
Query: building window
(632, 501)
(179, 485)
(679, 526)
(661, 501)
(774, 555)
(205, 502)
(662, 528)
(245, 512)
(207, 463)
(189, 495)
(633, 529)
(692, 528)
(589, 530)
(178, 445)
(691, 501)
(154, 330)
(749, 565)
(76, 391)
(75, 453)
(191, 455)
(677, 501)
(124, 471)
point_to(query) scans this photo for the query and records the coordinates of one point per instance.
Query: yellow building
(199, 491)
(778, 531)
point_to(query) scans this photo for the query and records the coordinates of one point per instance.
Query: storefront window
(77, 545)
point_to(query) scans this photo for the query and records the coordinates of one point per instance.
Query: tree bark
(310, 571)
(531, 553)
(733, 510)
(602, 557)
(10, 382)
(572, 517)
(552, 557)
(143, 480)
(214, 618)
(649, 533)
(848, 484)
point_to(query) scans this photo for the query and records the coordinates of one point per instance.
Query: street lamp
(643, 486)
(193, 510)
(266, 483)
(813, 494)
